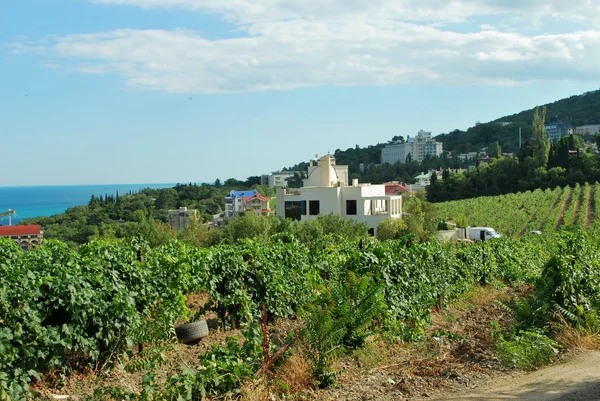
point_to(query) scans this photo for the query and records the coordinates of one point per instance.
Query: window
(314, 207)
(351, 207)
(293, 210)
(303, 208)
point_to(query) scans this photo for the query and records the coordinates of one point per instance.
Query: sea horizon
(47, 200)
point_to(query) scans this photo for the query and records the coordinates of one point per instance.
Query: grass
(527, 350)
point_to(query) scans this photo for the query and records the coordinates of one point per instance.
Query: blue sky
(98, 91)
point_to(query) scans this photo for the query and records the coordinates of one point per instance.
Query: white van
(483, 233)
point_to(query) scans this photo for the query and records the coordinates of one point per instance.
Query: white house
(326, 191)
(238, 202)
(424, 179)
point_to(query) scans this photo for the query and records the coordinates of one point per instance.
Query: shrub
(526, 350)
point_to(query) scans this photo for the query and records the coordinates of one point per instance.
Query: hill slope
(578, 110)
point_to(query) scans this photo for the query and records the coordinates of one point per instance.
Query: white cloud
(300, 43)
(250, 11)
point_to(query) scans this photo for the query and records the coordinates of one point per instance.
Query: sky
(165, 91)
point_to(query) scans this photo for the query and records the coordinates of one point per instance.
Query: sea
(51, 200)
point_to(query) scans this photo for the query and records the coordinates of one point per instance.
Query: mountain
(578, 110)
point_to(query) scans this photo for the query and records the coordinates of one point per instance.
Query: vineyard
(520, 213)
(63, 310)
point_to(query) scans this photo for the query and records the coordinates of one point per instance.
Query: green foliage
(571, 278)
(578, 110)
(525, 350)
(541, 144)
(221, 371)
(390, 229)
(63, 308)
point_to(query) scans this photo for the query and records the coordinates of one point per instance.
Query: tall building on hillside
(326, 191)
(557, 130)
(418, 148)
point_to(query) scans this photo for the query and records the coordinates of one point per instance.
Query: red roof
(259, 196)
(395, 188)
(31, 229)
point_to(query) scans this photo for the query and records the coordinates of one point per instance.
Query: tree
(496, 151)
(390, 229)
(253, 180)
(408, 158)
(296, 181)
(217, 183)
(541, 145)
(167, 199)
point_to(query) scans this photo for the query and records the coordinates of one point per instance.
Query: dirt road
(577, 379)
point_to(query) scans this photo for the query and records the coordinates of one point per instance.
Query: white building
(468, 156)
(278, 178)
(588, 130)
(424, 179)
(418, 148)
(326, 191)
(179, 218)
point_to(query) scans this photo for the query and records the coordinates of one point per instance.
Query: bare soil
(577, 378)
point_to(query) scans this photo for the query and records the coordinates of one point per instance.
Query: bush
(526, 350)
(390, 229)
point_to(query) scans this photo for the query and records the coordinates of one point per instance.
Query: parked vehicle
(483, 233)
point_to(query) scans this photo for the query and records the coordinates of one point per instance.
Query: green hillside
(578, 110)
(520, 213)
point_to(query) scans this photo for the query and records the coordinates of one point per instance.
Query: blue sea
(50, 200)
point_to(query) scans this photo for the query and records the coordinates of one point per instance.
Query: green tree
(167, 199)
(296, 181)
(390, 229)
(541, 145)
(496, 151)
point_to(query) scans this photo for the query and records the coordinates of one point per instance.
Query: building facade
(180, 217)
(588, 130)
(279, 178)
(326, 191)
(419, 147)
(555, 131)
(26, 236)
(239, 202)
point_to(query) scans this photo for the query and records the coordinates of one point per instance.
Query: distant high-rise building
(418, 148)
